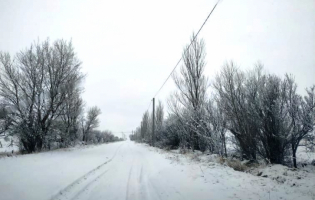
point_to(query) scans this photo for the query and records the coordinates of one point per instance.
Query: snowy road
(132, 172)
(126, 175)
(126, 170)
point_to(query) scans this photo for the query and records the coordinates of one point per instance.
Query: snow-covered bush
(236, 165)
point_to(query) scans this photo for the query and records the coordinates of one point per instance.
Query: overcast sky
(128, 48)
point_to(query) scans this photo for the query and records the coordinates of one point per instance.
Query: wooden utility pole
(153, 122)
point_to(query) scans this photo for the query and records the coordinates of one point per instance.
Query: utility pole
(153, 122)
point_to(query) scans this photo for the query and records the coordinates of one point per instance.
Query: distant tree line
(263, 112)
(40, 98)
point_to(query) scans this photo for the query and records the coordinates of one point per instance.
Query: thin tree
(192, 84)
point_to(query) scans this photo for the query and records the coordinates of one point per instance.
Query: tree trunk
(84, 137)
(224, 144)
(294, 156)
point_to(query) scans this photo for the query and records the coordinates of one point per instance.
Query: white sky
(128, 48)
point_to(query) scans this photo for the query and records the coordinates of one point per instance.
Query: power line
(187, 49)
(149, 105)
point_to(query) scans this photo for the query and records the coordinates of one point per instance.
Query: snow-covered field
(126, 170)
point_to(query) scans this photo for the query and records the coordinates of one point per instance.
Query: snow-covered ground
(126, 170)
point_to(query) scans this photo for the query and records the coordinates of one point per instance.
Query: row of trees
(263, 112)
(40, 98)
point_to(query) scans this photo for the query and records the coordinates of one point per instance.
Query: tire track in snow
(129, 175)
(81, 180)
(128, 183)
(157, 189)
(88, 185)
(134, 175)
(141, 172)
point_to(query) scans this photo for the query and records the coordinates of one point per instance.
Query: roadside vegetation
(40, 99)
(250, 115)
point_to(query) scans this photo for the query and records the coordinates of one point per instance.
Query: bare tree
(192, 84)
(264, 112)
(34, 85)
(91, 122)
(229, 85)
(216, 125)
(272, 119)
(71, 112)
(302, 115)
(5, 120)
(178, 123)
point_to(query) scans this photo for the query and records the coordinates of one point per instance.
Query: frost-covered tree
(159, 118)
(91, 122)
(145, 126)
(5, 120)
(178, 122)
(230, 88)
(215, 121)
(35, 85)
(272, 117)
(302, 115)
(264, 112)
(192, 85)
(70, 117)
(172, 135)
